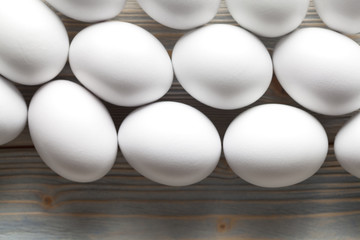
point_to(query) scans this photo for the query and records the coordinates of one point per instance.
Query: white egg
(346, 146)
(320, 69)
(72, 131)
(34, 43)
(121, 63)
(184, 14)
(275, 145)
(222, 66)
(89, 11)
(269, 18)
(340, 15)
(13, 112)
(170, 143)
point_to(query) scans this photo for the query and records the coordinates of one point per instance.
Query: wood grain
(37, 204)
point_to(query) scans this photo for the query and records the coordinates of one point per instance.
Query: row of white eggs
(220, 65)
(80, 151)
(172, 143)
(266, 18)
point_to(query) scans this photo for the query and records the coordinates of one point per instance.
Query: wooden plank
(35, 203)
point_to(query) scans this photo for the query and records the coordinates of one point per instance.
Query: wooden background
(37, 204)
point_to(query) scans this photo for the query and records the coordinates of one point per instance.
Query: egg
(121, 63)
(275, 145)
(34, 43)
(222, 66)
(13, 111)
(346, 146)
(182, 15)
(320, 69)
(72, 131)
(269, 18)
(170, 143)
(89, 11)
(340, 15)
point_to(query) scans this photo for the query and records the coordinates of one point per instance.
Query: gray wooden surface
(37, 204)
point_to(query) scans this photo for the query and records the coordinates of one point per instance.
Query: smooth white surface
(320, 69)
(34, 43)
(340, 15)
(72, 131)
(275, 145)
(222, 66)
(269, 18)
(121, 63)
(13, 112)
(181, 14)
(170, 143)
(347, 148)
(89, 10)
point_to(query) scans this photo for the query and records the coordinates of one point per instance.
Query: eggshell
(170, 143)
(320, 69)
(340, 15)
(222, 66)
(13, 112)
(34, 43)
(121, 63)
(275, 145)
(89, 11)
(182, 15)
(72, 131)
(347, 148)
(269, 18)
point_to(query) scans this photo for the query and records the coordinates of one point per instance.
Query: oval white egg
(89, 11)
(340, 15)
(222, 66)
(170, 143)
(72, 131)
(320, 69)
(269, 18)
(121, 63)
(182, 15)
(346, 146)
(275, 145)
(13, 111)
(34, 47)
